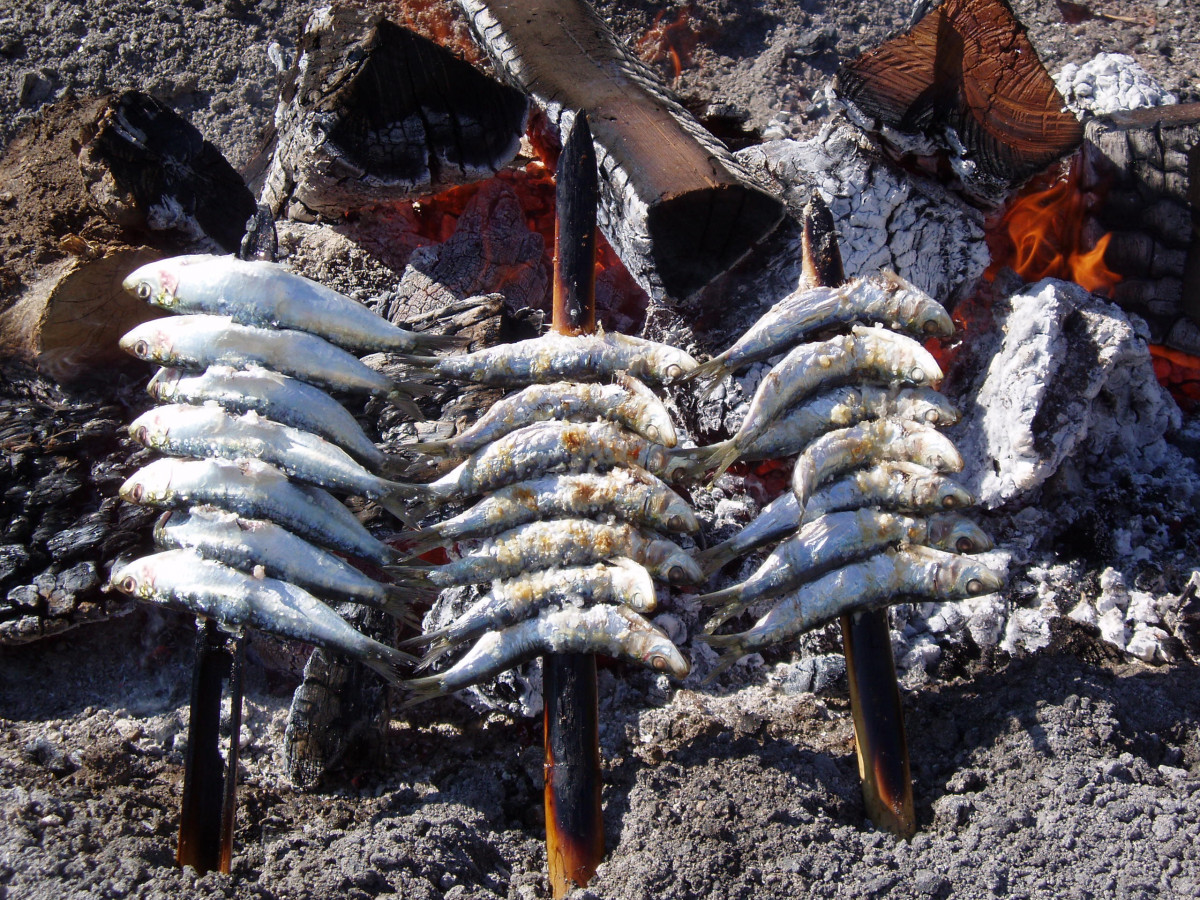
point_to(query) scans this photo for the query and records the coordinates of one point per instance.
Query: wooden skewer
(879, 738)
(574, 817)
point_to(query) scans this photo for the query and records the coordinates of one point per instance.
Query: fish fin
(731, 656)
(719, 456)
(391, 665)
(435, 652)
(716, 557)
(427, 638)
(400, 599)
(715, 369)
(405, 404)
(722, 596)
(432, 448)
(420, 540)
(419, 690)
(724, 614)
(431, 342)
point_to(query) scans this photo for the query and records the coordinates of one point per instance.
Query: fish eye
(141, 436)
(144, 290)
(654, 434)
(930, 326)
(128, 585)
(676, 523)
(964, 545)
(932, 416)
(137, 493)
(916, 374)
(674, 370)
(949, 501)
(659, 662)
(141, 349)
(676, 574)
(974, 586)
(657, 459)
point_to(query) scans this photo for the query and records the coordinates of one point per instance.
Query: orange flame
(672, 40)
(1042, 235)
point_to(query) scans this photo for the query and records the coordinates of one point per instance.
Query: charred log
(676, 206)
(375, 113)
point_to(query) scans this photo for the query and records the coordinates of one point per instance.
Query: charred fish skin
(848, 448)
(255, 490)
(626, 402)
(629, 494)
(556, 357)
(543, 448)
(611, 630)
(872, 354)
(267, 295)
(209, 431)
(277, 397)
(197, 342)
(884, 298)
(836, 539)
(244, 544)
(876, 581)
(620, 581)
(563, 542)
(182, 579)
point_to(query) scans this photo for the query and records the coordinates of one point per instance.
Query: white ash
(886, 218)
(1108, 83)
(1063, 374)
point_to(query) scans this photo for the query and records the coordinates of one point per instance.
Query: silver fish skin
(255, 490)
(243, 544)
(848, 448)
(546, 447)
(877, 581)
(873, 354)
(562, 542)
(893, 485)
(836, 539)
(611, 630)
(622, 581)
(557, 357)
(285, 400)
(265, 294)
(197, 342)
(209, 431)
(626, 402)
(840, 407)
(182, 579)
(884, 297)
(629, 494)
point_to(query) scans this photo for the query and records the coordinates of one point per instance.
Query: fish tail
(715, 558)
(390, 663)
(731, 656)
(434, 652)
(722, 596)
(719, 456)
(432, 448)
(393, 466)
(419, 690)
(399, 602)
(433, 342)
(430, 637)
(724, 614)
(714, 369)
(393, 500)
(404, 402)
(418, 541)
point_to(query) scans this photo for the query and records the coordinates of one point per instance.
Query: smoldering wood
(373, 113)
(676, 206)
(149, 169)
(1146, 165)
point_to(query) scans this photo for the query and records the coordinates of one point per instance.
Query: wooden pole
(574, 817)
(879, 738)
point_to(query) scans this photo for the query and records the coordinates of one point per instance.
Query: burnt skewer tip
(577, 195)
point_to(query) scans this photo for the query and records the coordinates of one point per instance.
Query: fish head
(149, 485)
(155, 283)
(148, 341)
(668, 560)
(962, 576)
(917, 307)
(634, 584)
(925, 405)
(164, 384)
(675, 513)
(135, 579)
(653, 456)
(929, 447)
(957, 534)
(652, 646)
(149, 429)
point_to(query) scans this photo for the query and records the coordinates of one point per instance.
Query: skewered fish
(182, 579)
(265, 294)
(611, 630)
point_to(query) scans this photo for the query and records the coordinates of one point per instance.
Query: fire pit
(1051, 735)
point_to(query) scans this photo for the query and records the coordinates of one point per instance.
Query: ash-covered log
(674, 203)
(1146, 164)
(375, 113)
(967, 80)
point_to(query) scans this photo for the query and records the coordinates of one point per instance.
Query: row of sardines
(567, 518)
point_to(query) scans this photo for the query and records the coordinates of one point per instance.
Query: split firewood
(965, 80)
(676, 206)
(375, 113)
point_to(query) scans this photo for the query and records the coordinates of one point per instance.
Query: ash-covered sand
(1071, 772)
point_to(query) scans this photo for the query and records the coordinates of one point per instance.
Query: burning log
(966, 80)
(676, 206)
(375, 113)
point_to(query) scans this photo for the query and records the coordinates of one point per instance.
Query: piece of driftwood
(674, 203)
(966, 79)
(1146, 165)
(373, 113)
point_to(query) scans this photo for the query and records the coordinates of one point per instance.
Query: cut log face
(377, 113)
(967, 78)
(674, 203)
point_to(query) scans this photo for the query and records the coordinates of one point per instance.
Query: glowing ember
(1180, 374)
(672, 40)
(1042, 235)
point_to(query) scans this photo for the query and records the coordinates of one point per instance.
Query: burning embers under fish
(183, 579)
(265, 294)
(611, 630)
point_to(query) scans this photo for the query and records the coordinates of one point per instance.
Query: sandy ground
(1069, 773)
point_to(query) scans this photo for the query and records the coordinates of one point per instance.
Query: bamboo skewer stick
(879, 738)
(574, 817)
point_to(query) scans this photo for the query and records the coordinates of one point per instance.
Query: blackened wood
(200, 816)
(879, 739)
(674, 203)
(375, 113)
(229, 795)
(148, 168)
(575, 233)
(574, 816)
